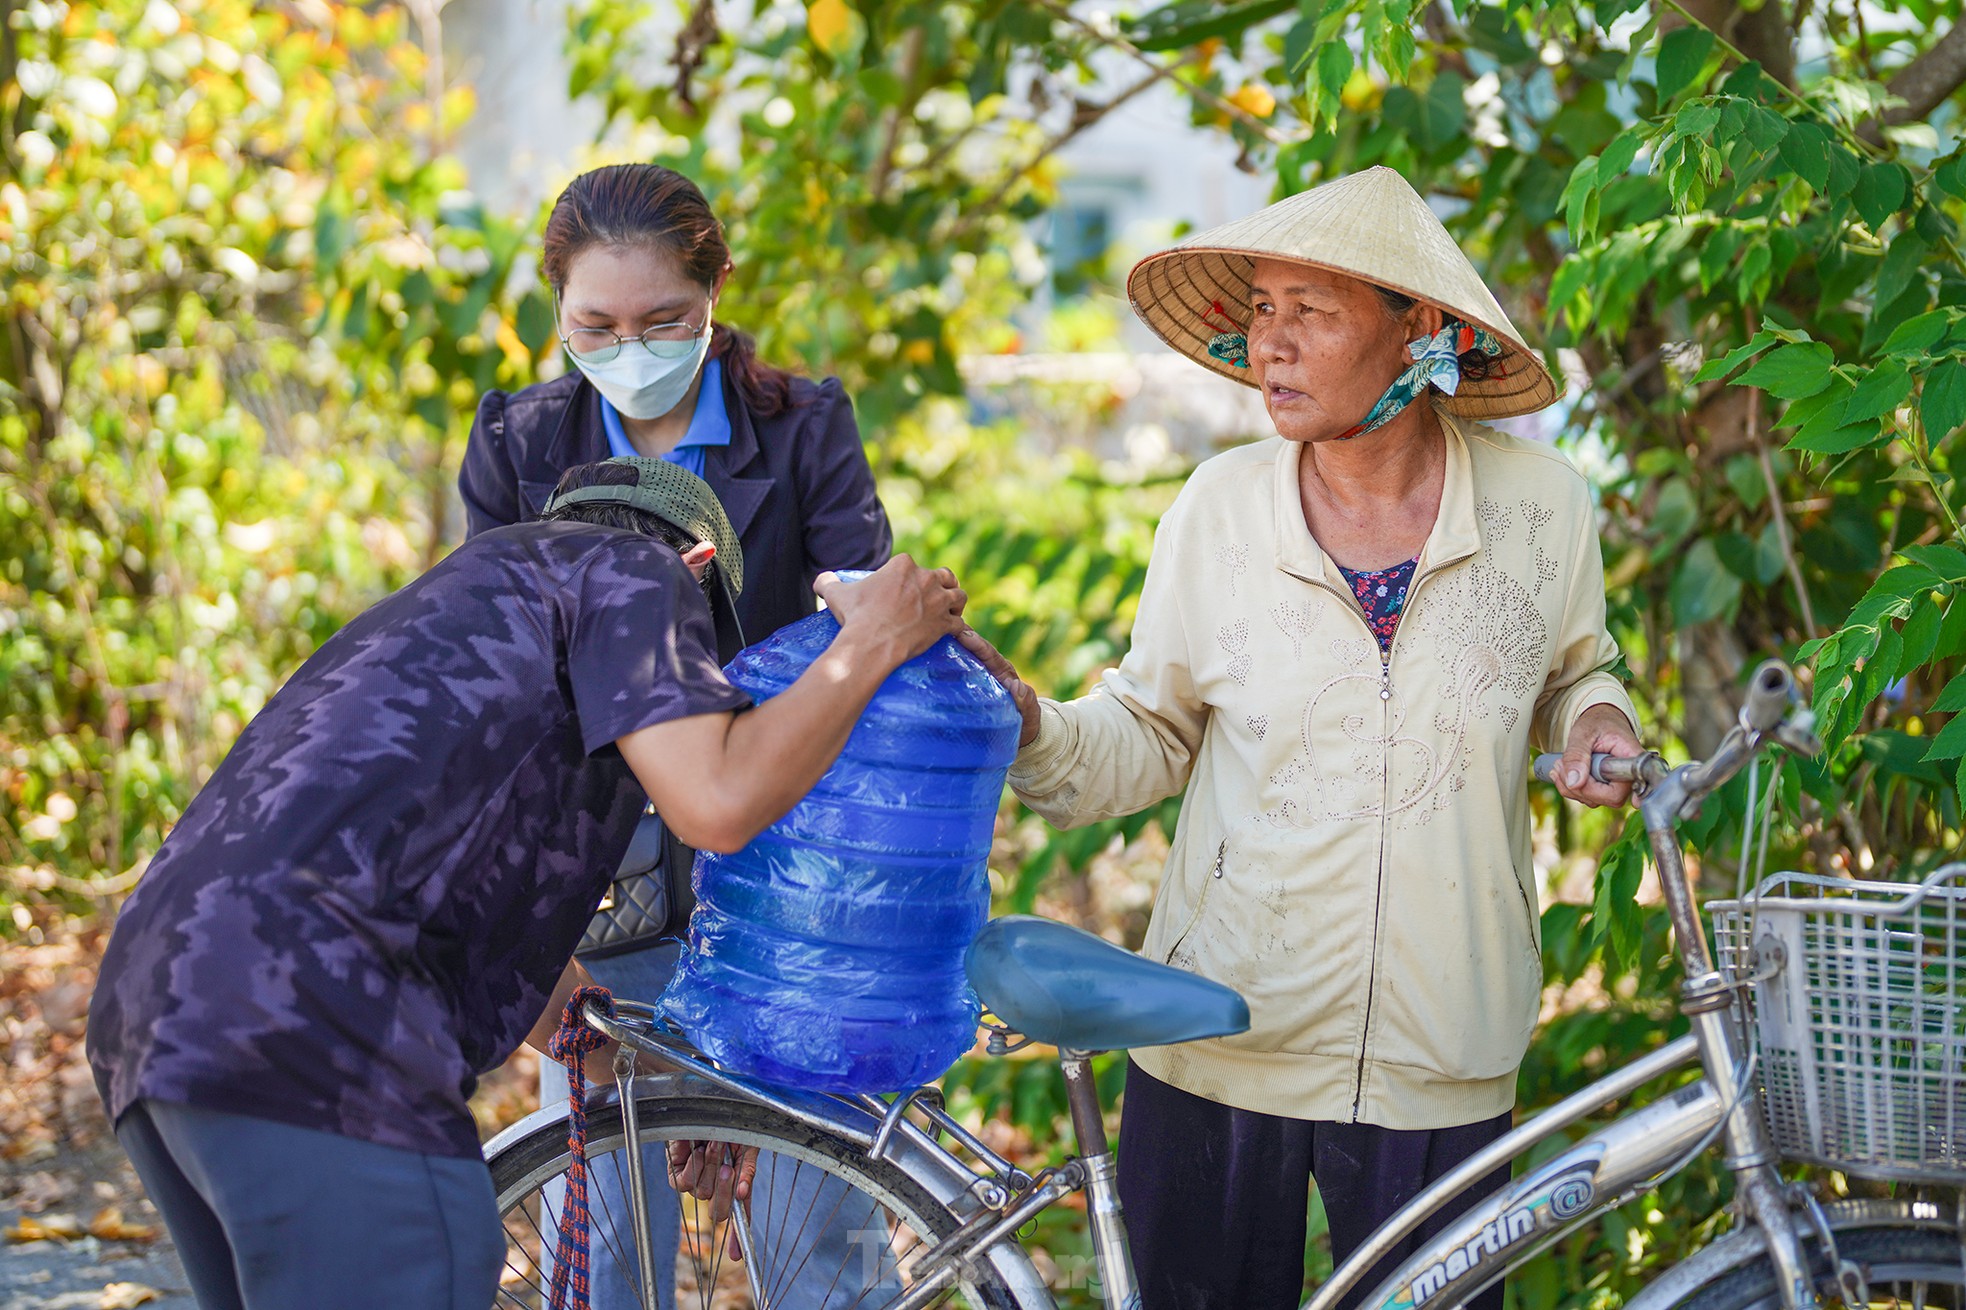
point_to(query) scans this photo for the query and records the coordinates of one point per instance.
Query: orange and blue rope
(571, 1044)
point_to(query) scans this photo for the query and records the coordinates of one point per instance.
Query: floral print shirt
(1382, 595)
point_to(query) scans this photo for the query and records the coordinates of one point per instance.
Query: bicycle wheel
(828, 1226)
(1904, 1267)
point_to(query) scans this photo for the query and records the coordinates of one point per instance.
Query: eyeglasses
(664, 341)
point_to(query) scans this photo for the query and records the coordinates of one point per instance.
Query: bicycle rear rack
(865, 1120)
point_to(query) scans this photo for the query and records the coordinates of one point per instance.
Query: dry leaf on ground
(127, 1296)
(32, 1228)
(110, 1226)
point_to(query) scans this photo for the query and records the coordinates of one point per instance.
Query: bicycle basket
(1861, 1032)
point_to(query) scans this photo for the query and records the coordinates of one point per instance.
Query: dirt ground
(75, 1230)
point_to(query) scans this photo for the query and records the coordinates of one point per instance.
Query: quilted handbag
(650, 898)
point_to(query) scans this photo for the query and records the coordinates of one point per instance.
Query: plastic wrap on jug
(828, 954)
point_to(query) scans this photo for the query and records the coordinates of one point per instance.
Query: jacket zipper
(1385, 819)
(1379, 877)
(1201, 901)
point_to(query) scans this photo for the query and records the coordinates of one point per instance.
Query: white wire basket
(1857, 1018)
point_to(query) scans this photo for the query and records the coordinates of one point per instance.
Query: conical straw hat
(1371, 225)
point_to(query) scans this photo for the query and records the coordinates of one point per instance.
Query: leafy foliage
(234, 297)
(1753, 272)
(250, 305)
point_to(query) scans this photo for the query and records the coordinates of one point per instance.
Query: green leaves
(1879, 193)
(1702, 587)
(1881, 391)
(1950, 743)
(1682, 54)
(1765, 129)
(1580, 200)
(534, 321)
(1942, 408)
(1181, 26)
(1792, 372)
(1946, 563)
(1333, 69)
(1615, 912)
(1950, 175)
(1819, 421)
(1805, 149)
(1618, 155)
(1733, 359)
(1696, 119)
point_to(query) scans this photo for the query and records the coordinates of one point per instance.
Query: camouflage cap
(678, 497)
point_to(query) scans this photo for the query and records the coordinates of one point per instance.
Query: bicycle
(1827, 996)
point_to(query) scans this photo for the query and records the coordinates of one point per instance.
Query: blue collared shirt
(709, 425)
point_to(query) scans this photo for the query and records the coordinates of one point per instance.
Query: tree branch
(1924, 84)
(697, 36)
(1780, 516)
(911, 64)
(1083, 116)
(1135, 53)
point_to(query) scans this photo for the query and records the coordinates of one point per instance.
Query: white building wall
(528, 136)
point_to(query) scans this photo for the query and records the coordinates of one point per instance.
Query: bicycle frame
(1516, 1222)
(1498, 1234)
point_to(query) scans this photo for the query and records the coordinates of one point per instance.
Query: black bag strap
(682, 891)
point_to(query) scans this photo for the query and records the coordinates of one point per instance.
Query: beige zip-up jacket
(1353, 853)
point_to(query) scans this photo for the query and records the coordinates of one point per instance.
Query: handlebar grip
(1605, 767)
(1769, 697)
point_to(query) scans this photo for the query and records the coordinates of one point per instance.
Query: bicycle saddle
(1064, 986)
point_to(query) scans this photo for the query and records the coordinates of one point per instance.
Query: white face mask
(642, 385)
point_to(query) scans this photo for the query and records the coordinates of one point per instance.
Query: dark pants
(1217, 1199)
(267, 1216)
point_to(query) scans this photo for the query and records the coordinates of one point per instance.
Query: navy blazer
(797, 486)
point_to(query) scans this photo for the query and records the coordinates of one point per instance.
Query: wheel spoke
(615, 1234)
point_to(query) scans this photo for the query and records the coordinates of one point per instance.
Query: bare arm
(719, 779)
(600, 1063)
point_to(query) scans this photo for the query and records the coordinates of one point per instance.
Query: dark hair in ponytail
(649, 205)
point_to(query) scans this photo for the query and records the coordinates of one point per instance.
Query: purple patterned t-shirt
(1382, 595)
(370, 902)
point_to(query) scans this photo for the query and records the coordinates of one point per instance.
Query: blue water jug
(828, 954)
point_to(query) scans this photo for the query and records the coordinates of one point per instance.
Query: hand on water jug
(903, 606)
(1025, 696)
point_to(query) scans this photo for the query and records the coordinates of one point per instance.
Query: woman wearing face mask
(637, 262)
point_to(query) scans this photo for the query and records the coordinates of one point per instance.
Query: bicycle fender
(1746, 1245)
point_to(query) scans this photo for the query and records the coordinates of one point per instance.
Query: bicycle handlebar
(1604, 767)
(1772, 709)
(1769, 697)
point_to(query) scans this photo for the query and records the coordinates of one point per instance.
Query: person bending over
(371, 902)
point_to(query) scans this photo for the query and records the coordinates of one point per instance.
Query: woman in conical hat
(1351, 638)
